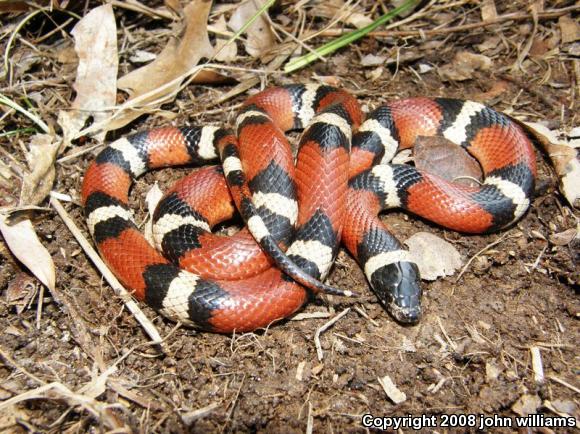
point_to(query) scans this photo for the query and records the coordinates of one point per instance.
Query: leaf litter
(229, 383)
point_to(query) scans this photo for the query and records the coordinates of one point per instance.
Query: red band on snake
(226, 284)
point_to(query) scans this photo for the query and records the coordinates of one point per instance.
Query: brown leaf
(176, 59)
(21, 291)
(14, 6)
(565, 237)
(24, 244)
(498, 88)
(174, 5)
(260, 37)
(463, 66)
(434, 256)
(539, 47)
(569, 28)
(96, 81)
(439, 156)
(36, 184)
(489, 43)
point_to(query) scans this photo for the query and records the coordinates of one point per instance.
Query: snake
(297, 210)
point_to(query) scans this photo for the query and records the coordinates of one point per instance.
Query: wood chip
(391, 390)
(537, 366)
(191, 416)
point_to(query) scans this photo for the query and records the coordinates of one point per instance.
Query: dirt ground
(470, 354)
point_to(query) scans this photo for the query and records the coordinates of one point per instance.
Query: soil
(470, 354)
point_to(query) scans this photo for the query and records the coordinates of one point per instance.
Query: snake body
(297, 214)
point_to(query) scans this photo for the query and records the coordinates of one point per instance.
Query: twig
(131, 305)
(347, 38)
(325, 327)
(10, 361)
(365, 315)
(191, 416)
(39, 122)
(564, 383)
(545, 98)
(452, 344)
(39, 306)
(100, 411)
(78, 154)
(546, 15)
(234, 403)
(138, 7)
(310, 419)
(489, 246)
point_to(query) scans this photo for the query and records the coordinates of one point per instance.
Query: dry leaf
(565, 237)
(489, 43)
(569, 28)
(373, 60)
(434, 256)
(539, 47)
(527, 404)
(463, 66)
(260, 37)
(498, 88)
(152, 198)
(565, 406)
(445, 159)
(21, 291)
(375, 74)
(565, 156)
(329, 80)
(338, 9)
(174, 5)
(492, 371)
(96, 81)
(176, 59)
(488, 10)
(37, 184)
(142, 56)
(22, 241)
(224, 52)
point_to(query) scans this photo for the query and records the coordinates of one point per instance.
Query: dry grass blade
(100, 411)
(147, 325)
(39, 122)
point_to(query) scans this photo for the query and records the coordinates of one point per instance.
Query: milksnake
(297, 213)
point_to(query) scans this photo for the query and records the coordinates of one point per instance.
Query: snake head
(398, 288)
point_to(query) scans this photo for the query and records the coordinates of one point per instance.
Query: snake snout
(400, 292)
